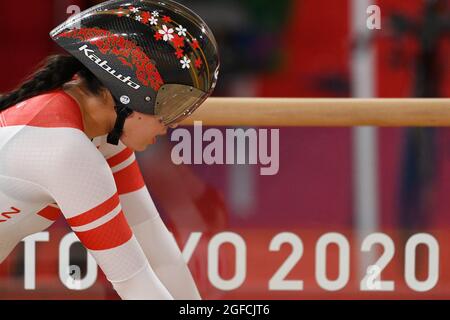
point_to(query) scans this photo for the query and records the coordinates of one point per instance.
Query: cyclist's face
(141, 130)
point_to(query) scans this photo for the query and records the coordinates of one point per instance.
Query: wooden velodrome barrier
(292, 112)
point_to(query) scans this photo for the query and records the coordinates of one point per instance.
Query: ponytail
(55, 72)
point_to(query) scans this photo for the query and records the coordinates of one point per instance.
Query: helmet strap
(122, 114)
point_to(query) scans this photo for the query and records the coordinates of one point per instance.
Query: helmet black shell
(155, 57)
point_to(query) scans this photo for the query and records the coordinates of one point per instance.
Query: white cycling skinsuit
(49, 167)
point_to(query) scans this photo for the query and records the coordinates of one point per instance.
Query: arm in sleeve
(81, 183)
(157, 242)
(134, 196)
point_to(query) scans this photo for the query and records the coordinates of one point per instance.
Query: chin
(141, 148)
(133, 147)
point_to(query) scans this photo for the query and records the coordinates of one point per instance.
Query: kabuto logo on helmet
(104, 65)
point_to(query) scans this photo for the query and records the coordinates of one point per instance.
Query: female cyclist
(69, 132)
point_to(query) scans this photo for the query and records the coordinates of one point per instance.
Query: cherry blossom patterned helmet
(155, 57)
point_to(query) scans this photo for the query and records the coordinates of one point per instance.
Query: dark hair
(55, 71)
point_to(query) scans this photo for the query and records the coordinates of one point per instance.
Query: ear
(107, 96)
